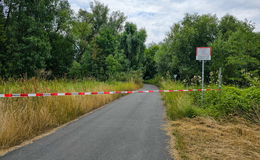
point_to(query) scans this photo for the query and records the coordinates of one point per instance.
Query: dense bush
(233, 101)
(227, 103)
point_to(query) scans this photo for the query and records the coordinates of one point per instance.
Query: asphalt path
(130, 128)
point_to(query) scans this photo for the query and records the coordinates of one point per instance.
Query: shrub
(233, 101)
(229, 102)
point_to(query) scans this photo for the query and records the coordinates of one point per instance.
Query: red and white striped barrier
(95, 93)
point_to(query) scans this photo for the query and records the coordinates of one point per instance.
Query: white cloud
(75, 7)
(156, 16)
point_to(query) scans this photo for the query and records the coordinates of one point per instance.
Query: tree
(113, 66)
(235, 48)
(44, 37)
(2, 40)
(166, 61)
(61, 57)
(132, 42)
(27, 44)
(180, 45)
(97, 34)
(242, 48)
(229, 24)
(62, 51)
(150, 68)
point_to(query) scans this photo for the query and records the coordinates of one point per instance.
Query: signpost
(203, 54)
(175, 76)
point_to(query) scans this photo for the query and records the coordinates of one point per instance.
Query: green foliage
(233, 101)
(253, 81)
(235, 49)
(177, 53)
(29, 28)
(81, 32)
(166, 61)
(2, 37)
(149, 61)
(132, 43)
(230, 102)
(61, 57)
(178, 104)
(46, 38)
(98, 37)
(75, 70)
(242, 48)
(227, 103)
(132, 75)
(113, 65)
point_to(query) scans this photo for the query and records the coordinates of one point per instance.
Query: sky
(157, 16)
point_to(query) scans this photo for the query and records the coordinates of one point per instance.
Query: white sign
(203, 53)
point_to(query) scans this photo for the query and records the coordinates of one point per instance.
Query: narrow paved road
(129, 128)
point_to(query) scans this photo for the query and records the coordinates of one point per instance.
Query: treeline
(236, 50)
(44, 38)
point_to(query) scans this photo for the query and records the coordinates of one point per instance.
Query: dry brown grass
(24, 118)
(205, 138)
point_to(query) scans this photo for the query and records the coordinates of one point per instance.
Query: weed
(178, 104)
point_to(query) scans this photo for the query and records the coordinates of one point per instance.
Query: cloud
(157, 16)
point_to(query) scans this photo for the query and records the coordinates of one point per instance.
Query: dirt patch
(205, 138)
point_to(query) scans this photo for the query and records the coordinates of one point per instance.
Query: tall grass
(228, 103)
(212, 139)
(24, 118)
(178, 104)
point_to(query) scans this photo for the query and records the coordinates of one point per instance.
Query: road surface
(129, 128)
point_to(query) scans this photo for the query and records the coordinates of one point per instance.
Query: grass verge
(206, 138)
(178, 104)
(24, 118)
(224, 127)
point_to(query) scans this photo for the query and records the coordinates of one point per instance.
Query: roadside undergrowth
(24, 118)
(178, 104)
(225, 127)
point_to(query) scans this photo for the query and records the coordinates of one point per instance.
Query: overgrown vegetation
(236, 54)
(232, 102)
(47, 39)
(235, 50)
(178, 104)
(227, 120)
(227, 103)
(24, 118)
(87, 51)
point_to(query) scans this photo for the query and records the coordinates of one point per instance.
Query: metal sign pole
(202, 96)
(203, 54)
(220, 78)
